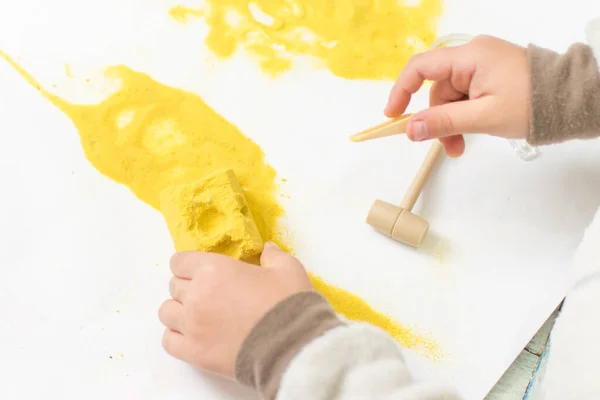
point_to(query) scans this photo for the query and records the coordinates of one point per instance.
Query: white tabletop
(84, 261)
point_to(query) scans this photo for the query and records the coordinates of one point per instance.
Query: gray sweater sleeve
(302, 350)
(565, 95)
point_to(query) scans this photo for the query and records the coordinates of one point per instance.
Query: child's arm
(565, 95)
(498, 88)
(301, 350)
(268, 328)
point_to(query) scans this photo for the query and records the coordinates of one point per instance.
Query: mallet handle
(413, 192)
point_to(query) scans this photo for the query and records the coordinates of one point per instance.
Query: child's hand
(218, 300)
(479, 87)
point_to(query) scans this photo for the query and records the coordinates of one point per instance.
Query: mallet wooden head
(397, 223)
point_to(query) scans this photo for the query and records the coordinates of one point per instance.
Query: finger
(450, 119)
(171, 315)
(454, 145)
(433, 65)
(174, 344)
(273, 257)
(443, 92)
(185, 264)
(178, 288)
(281, 262)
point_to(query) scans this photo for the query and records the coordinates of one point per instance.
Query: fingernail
(418, 131)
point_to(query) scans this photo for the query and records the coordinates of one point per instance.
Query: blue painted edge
(540, 363)
(534, 377)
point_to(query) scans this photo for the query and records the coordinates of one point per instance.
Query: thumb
(273, 257)
(450, 119)
(289, 273)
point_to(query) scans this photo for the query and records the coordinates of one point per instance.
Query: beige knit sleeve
(279, 336)
(565, 95)
(302, 350)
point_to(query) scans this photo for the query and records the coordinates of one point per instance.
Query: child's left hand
(218, 300)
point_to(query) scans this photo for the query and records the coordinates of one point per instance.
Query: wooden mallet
(399, 223)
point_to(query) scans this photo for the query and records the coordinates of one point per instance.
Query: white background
(75, 247)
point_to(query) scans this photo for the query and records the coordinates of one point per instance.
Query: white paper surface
(79, 253)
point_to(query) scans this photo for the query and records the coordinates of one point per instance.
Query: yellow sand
(184, 14)
(149, 137)
(211, 215)
(355, 308)
(354, 39)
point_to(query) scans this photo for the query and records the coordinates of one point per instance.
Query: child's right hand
(216, 302)
(480, 87)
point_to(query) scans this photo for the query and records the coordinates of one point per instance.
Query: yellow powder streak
(354, 39)
(184, 14)
(149, 136)
(356, 309)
